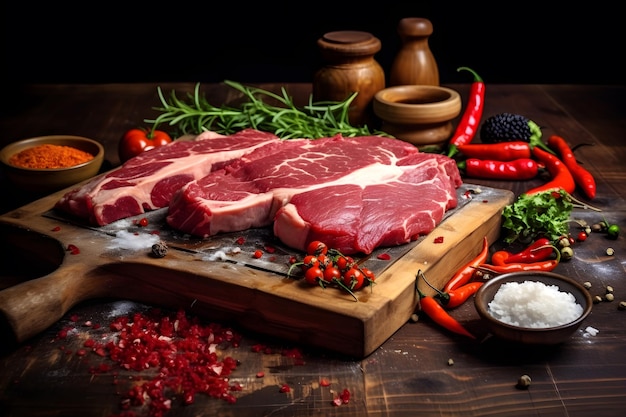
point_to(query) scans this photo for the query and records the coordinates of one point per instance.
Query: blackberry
(507, 127)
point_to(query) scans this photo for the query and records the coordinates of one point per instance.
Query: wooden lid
(415, 26)
(350, 42)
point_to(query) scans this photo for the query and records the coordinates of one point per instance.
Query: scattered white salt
(133, 241)
(591, 331)
(534, 304)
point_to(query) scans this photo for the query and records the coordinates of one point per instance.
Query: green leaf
(540, 214)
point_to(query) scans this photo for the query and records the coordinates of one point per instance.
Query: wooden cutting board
(211, 279)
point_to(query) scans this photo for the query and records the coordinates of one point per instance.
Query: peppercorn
(609, 289)
(567, 253)
(587, 284)
(159, 249)
(597, 299)
(609, 297)
(523, 382)
(621, 305)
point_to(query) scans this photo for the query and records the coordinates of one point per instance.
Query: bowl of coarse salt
(539, 308)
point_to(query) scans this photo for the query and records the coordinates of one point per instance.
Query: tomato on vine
(317, 248)
(353, 278)
(344, 263)
(332, 274)
(136, 141)
(314, 275)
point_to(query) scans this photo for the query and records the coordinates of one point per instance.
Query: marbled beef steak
(353, 193)
(148, 181)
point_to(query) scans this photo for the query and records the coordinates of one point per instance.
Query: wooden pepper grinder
(415, 63)
(350, 67)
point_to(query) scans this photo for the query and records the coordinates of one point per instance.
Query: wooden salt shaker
(415, 62)
(350, 67)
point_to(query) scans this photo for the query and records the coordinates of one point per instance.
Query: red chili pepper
(539, 250)
(458, 296)
(561, 176)
(470, 121)
(583, 178)
(517, 170)
(439, 315)
(466, 272)
(502, 151)
(548, 265)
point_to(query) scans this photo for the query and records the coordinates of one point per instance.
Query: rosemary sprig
(285, 120)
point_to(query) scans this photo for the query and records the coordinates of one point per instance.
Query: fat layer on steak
(355, 194)
(148, 181)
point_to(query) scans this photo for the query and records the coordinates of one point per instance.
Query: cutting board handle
(29, 308)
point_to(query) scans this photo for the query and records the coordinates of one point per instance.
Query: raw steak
(148, 181)
(354, 193)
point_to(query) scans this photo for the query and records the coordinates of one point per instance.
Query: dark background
(101, 42)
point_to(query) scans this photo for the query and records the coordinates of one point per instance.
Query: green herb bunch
(285, 120)
(542, 214)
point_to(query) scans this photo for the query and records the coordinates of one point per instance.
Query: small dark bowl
(527, 335)
(51, 179)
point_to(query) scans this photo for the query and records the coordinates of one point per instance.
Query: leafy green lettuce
(541, 214)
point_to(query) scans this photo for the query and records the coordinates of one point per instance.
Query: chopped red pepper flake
(260, 374)
(270, 249)
(345, 396)
(241, 240)
(257, 254)
(73, 249)
(439, 239)
(143, 222)
(285, 388)
(56, 229)
(183, 350)
(324, 382)
(384, 257)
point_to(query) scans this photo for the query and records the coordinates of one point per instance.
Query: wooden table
(410, 374)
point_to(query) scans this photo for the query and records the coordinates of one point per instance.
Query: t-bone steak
(355, 194)
(148, 181)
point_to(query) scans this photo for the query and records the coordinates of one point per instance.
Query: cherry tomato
(136, 141)
(309, 262)
(332, 273)
(582, 236)
(317, 248)
(353, 278)
(344, 263)
(324, 260)
(369, 275)
(314, 275)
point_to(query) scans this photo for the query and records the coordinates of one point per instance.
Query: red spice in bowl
(50, 156)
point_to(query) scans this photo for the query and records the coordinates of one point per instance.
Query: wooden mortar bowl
(419, 114)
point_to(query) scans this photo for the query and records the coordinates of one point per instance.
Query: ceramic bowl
(531, 335)
(419, 114)
(40, 180)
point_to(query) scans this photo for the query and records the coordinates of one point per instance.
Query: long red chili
(470, 121)
(547, 265)
(439, 315)
(583, 178)
(458, 296)
(561, 177)
(467, 271)
(540, 250)
(516, 170)
(502, 151)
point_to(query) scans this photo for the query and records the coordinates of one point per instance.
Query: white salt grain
(534, 304)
